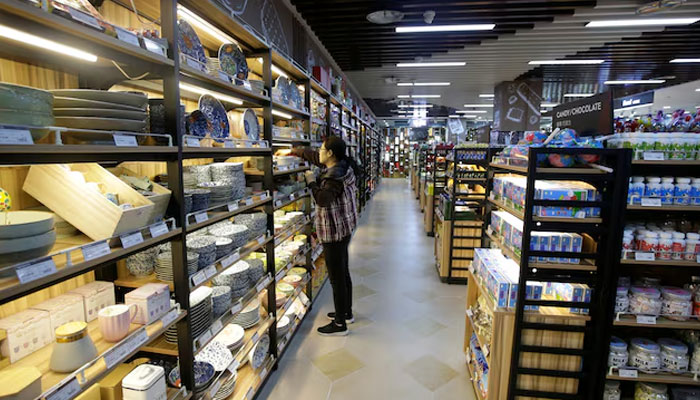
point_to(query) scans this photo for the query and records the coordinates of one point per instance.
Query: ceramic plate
(107, 124)
(232, 61)
(189, 42)
(231, 335)
(282, 86)
(295, 95)
(133, 99)
(216, 115)
(197, 124)
(71, 102)
(19, 224)
(100, 112)
(251, 126)
(216, 354)
(257, 356)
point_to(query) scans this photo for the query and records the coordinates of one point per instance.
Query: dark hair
(337, 145)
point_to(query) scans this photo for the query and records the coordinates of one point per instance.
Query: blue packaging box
(554, 245)
(576, 247)
(566, 240)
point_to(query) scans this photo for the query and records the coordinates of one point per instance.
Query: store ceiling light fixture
(425, 96)
(415, 106)
(471, 111)
(404, 96)
(579, 94)
(202, 24)
(454, 116)
(619, 23)
(635, 82)
(433, 64)
(27, 38)
(275, 69)
(566, 62)
(686, 60)
(487, 95)
(281, 114)
(545, 104)
(445, 28)
(220, 96)
(423, 84)
(479, 105)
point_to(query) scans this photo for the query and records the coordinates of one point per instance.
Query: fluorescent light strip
(697, 90)
(415, 105)
(549, 104)
(634, 82)
(471, 111)
(445, 28)
(425, 96)
(566, 62)
(579, 94)
(487, 96)
(423, 84)
(479, 105)
(281, 114)
(434, 64)
(685, 60)
(454, 116)
(404, 96)
(632, 107)
(202, 24)
(220, 96)
(641, 22)
(20, 36)
(275, 69)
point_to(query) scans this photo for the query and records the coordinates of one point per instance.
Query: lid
(667, 179)
(666, 235)
(696, 181)
(645, 345)
(617, 344)
(673, 346)
(675, 293)
(659, 388)
(638, 179)
(653, 179)
(683, 180)
(622, 290)
(143, 377)
(678, 235)
(645, 291)
(651, 234)
(692, 236)
(71, 331)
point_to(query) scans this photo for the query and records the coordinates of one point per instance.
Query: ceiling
(525, 30)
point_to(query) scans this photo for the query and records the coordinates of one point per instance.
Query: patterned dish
(233, 62)
(257, 356)
(197, 124)
(251, 126)
(282, 85)
(203, 374)
(295, 95)
(216, 354)
(189, 43)
(216, 116)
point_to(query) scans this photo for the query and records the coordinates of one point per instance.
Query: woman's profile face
(324, 155)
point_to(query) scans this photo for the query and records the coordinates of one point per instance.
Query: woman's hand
(309, 176)
(283, 152)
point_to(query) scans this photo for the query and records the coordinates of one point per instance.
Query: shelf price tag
(651, 202)
(204, 338)
(217, 326)
(124, 141)
(95, 250)
(263, 196)
(229, 144)
(84, 18)
(126, 36)
(261, 285)
(628, 373)
(250, 393)
(236, 308)
(278, 203)
(646, 319)
(158, 229)
(232, 207)
(66, 392)
(119, 353)
(199, 278)
(201, 217)
(489, 230)
(169, 317)
(31, 271)
(249, 201)
(192, 142)
(255, 337)
(282, 168)
(653, 156)
(486, 350)
(15, 136)
(210, 271)
(233, 366)
(224, 77)
(263, 373)
(641, 256)
(291, 196)
(230, 259)
(131, 239)
(261, 239)
(214, 388)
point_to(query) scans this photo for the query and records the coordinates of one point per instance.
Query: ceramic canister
(115, 321)
(74, 347)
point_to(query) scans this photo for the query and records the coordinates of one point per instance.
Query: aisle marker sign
(15, 136)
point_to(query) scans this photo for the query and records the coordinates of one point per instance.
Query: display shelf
(298, 259)
(72, 153)
(659, 323)
(318, 121)
(521, 215)
(546, 170)
(667, 208)
(479, 337)
(288, 231)
(288, 303)
(289, 65)
(659, 377)
(221, 152)
(661, 263)
(249, 381)
(475, 386)
(279, 171)
(287, 338)
(316, 85)
(110, 356)
(676, 163)
(200, 219)
(291, 198)
(298, 114)
(248, 98)
(297, 139)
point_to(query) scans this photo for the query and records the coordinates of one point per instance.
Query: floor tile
(337, 364)
(430, 372)
(423, 326)
(363, 271)
(360, 291)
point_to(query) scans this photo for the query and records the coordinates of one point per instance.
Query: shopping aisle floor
(406, 342)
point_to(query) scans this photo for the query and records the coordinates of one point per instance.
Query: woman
(336, 217)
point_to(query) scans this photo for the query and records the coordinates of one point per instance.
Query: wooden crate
(160, 199)
(87, 209)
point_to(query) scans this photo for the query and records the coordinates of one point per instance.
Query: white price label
(261, 239)
(282, 168)
(291, 196)
(263, 196)
(199, 278)
(223, 76)
(84, 18)
(201, 217)
(646, 319)
(469, 313)
(233, 366)
(230, 259)
(169, 317)
(229, 144)
(66, 392)
(248, 144)
(651, 202)
(32, 271)
(263, 373)
(628, 373)
(249, 201)
(278, 203)
(255, 337)
(130, 345)
(489, 230)
(210, 271)
(261, 285)
(191, 142)
(193, 63)
(217, 326)
(131, 239)
(288, 336)
(232, 207)
(158, 229)
(641, 256)
(486, 350)
(249, 395)
(236, 308)
(15, 136)
(653, 156)
(95, 250)
(214, 388)
(204, 338)
(155, 47)
(126, 36)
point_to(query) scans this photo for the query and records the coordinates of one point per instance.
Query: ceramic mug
(115, 321)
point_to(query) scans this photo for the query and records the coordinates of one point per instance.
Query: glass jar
(645, 300)
(622, 301)
(618, 356)
(674, 355)
(645, 355)
(676, 303)
(612, 390)
(650, 391)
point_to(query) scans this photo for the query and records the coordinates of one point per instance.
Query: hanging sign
(588, 116)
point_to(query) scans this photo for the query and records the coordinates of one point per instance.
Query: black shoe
(349, 319)
(333, 329)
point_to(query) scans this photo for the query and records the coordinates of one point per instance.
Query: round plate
(138, 100)
(197, 124)
(282, 86)
(216, 354)
(251, 126)
(19, 224)
(233, 61)
(295, 95)
(216, 115)
(100, 112)
(231, 335)
(189, 42)
(107, 124)
(72, 102)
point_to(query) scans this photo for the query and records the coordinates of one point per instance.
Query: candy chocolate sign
(588, 117)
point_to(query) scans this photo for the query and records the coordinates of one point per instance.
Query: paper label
(84, 18)
(154, 47)
(119, 353)
(249, 394)
(66, 392)
(230, 259)
(131, 239)
(217, 326)
(255, 337)
(651, 202)
(639, 256)
(191, 142)
(233, 366)
(199, 278)
(469, 313)
(653, 156)
(224, 77)
(204, 338)
(232, 207)
(214, 388)
(236, 308)
(158, 229)
(261, 239)
(169, 317)
(201, 217)
(489, 230)
(263, 373)
(628, 373)
(261, 285)
(229, 144)
(32, 271)
(291, 196)
(249, 201)
(126, 36)
(210, 271)
(282, 168)
(263, 197)
(486, 350)
(15, 136)
(646, 319)
(95, 250)
(278, 203)
(193, 63)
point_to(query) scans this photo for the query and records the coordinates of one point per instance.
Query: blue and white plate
(189, 42)
(233, 61)
(251, 126)
(295, 95)
(216, 116)
(197, 124)
(282, 86)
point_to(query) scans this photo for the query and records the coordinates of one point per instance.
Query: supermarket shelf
(287, 232)
(660, 322)
(249, 98)
(221, 152)
(299, 114)
(287, 200)
(662, 263)
(216, 214)
(482, 343)
(678, 163)
(278, 171)
(316, 85)
(297, 260)
(660, 377)
(521, 215)
(563, 171)
(664, 208)
(50, 153)
(249, 381)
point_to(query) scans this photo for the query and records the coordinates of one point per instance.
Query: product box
(63, 309)
(566, 240)
(96, 296)
(323, 77)
(152, 301)
(587, 294)
(534, 243)
(499, 286)
(26, 332)
(576, 247)
(554, 245)
(545, 239)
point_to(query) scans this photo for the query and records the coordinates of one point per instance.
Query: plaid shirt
(338, 219)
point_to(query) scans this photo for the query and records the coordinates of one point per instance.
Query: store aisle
(406, 342)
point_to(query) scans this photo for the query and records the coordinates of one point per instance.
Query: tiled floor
(406, 342)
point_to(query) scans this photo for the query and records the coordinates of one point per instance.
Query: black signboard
(639, 99)
(589, 116)
(517, 105)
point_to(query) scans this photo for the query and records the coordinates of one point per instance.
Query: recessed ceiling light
(579, 94)
(445, 28)
(667, 107)
(487, 95)
(634, 82)
(697, 90)
(404, 96)
(415, 105)
(543, 111)
(425, 96)
(479, 105)
(548, 104)
(686, 60)
(423, 84)
(641, 22)
(454, 116)
(434, 64)
(566, 62)
(471, 111)
(27, 38)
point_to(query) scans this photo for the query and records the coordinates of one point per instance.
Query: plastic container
(695, 192)
(636, 190)
(674, 355)
(622, 300)
(652, 187)
(650, 391)
(612, 390)
(645, 355)
(645, 300)
(650, 242)
(692, 242)
(663, 251)
(619, 355)
(676, 303)
(681, 194)
(145, 382)
(678, 246)
(667, 190)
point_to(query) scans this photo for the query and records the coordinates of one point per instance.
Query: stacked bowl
(200, 198)
(221, 300)
(232, 336)
(224, 247)
(205, 246)
(256, 270)
(235, 277)
(256, 223)
(249, 316)
(237, 233)
(220, 192)
(143, 262)
(283, 326)
(23, 105)
(230, 174)
(226, 389)
(25, 235)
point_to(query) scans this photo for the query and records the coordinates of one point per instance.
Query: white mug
(115, 321)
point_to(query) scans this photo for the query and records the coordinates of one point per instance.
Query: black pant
(339, 274)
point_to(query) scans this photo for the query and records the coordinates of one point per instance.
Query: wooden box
(160, 199)
(87, 209)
